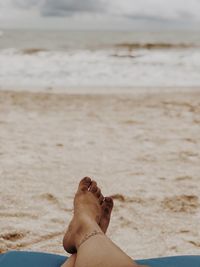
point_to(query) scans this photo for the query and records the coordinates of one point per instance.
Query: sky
(100, 14)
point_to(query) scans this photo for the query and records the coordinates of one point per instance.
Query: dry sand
(142, 148)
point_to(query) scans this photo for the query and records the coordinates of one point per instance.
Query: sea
(52, 60)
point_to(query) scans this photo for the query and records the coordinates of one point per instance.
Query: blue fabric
(37, 259)
(30, 259)
(176, 261)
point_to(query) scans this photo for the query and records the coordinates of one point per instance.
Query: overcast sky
(100, 14)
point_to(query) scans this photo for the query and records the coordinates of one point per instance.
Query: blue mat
(37, 259)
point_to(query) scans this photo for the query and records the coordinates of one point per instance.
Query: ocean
(38, 59)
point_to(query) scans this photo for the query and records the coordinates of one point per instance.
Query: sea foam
(109, 67)
(59, 59)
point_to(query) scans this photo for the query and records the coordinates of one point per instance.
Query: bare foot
(88, 209)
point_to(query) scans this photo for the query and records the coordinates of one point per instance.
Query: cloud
(153, 11)
(156, 9)
(62, 7)
(69, 7)
(27, 3)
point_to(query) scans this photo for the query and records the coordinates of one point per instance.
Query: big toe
(84, 184)
(107, 206)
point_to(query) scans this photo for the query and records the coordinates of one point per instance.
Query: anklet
(95, 232)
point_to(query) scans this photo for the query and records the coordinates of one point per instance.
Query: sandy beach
(143, 149)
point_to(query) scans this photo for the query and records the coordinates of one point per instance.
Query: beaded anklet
(95, 232)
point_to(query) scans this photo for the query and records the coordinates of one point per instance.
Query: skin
(85, 237)
(106, 209)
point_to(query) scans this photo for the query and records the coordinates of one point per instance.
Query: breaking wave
(150, 46)
(32, 51)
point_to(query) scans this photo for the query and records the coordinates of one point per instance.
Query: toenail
(87, 179)
(94, 189)
(107, 199)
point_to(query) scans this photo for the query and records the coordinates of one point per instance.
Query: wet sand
(144, 149)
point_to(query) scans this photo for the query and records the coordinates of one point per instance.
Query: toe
(109, 201)
(93, 187)
(85, 184)
(107, 205)
(106, 208)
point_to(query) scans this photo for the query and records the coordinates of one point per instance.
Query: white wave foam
(115, 68)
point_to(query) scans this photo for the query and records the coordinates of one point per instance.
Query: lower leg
(70, 262)
(106, 208)
(85, 236)
(98, 250)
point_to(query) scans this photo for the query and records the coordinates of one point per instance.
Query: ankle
(88, 236)
(85, 231)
